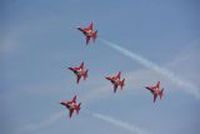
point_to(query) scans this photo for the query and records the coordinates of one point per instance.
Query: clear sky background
(39, 40)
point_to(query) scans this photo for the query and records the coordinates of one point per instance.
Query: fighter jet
(156, 91)
(116, 81)
(71, 106)
(89, 32)
(80, 72)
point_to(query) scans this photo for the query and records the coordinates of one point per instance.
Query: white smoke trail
(134, 129)
(92, 95)
(190, 88)
(34, 127)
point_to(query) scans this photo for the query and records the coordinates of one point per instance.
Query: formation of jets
(116, 80)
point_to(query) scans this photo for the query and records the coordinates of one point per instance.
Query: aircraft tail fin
(122, 83)
(90, 26)
(78, 108)
(118, 74)
(158, 84)
(161, 93)
(81, 65)
(86, 74)
(94, 36)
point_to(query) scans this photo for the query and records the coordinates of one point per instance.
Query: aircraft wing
(150, 89)
(81, 29)
(71, 68)
(118, 75)
(154, 98)
(90, 26)
(115, 88)
(71, 112)
(78, 79)
(87, 40)
(76, 68)
(74, 99)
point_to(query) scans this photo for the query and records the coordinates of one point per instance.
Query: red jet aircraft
(79, 72)
(156, 91)
(116, 81)
(71, 106)
(89, 32)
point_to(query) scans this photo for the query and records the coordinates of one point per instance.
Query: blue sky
(39, 40)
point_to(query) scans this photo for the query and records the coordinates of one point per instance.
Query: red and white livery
(116, 81)
(89, 32)
(156, 91)
(72, 106)
(80, 72)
